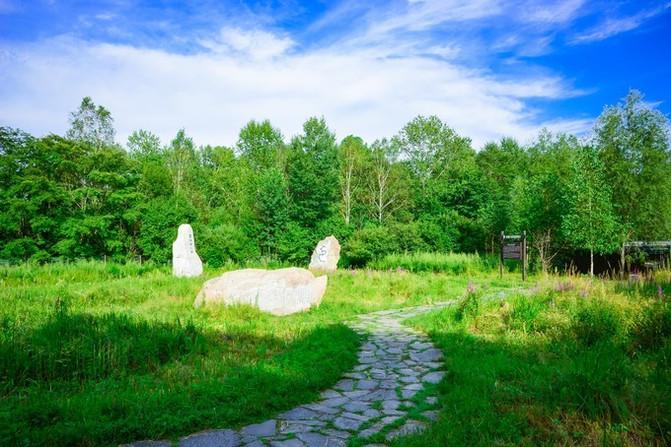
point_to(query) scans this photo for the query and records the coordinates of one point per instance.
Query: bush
(375, 242)
(19, 249)
(295, 244)
(439, 232)
(225, 243)
(369, 243)
(159, 226)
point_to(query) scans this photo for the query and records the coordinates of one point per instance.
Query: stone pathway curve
(395, 363)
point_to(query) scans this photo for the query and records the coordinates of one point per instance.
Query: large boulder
(280, 292)
(326, 255)
(185, 260)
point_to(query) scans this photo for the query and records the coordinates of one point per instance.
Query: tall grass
(78, 346)
(79, 271)
(453, 263)
(578, 362)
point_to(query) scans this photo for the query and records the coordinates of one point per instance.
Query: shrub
(369, 243)
(375, 242)
(19, 249)
(295, 244)
(225, 243)
(439, 232)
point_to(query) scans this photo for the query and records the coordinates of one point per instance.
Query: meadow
(101, 354)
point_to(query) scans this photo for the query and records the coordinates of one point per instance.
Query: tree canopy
(425, 188)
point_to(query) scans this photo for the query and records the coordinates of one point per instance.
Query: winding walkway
(377, 396)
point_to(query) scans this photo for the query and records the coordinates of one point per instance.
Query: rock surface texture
(185, 260)
(326, 255)
(280, 292)
(376, 401)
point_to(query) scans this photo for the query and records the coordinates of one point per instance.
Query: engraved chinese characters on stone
(326, 255)
(185, 260)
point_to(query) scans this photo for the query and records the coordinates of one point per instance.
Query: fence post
(524, 255)
(501, 239)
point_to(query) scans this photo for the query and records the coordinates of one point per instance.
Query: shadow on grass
(76, 347)
(508, 391)
(82, 380)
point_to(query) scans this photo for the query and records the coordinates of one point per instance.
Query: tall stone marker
(326, 255)
(185, 260)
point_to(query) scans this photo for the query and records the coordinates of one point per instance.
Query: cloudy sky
(488, 68)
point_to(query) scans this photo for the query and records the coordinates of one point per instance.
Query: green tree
(633, 143)
(387, 181)
(313, 174)
(351, 155)
(432, 149)
(181, 155)
(91, 124)
(260, 144)
(271, 209)
(537, 196)
(144, 145)
(160, 219)
(590, 222)
(499, 164)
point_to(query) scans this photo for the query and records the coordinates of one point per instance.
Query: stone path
(377, 396)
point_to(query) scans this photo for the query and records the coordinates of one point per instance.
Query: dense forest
(424, 189)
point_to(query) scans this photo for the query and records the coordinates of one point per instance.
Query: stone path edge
(396, 364)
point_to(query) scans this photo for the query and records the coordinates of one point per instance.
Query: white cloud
(554, 12)
(214, 94)
(420, 15)
(614, 26)
(255, 43)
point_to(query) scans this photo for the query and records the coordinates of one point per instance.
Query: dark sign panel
(514, 247)
(512, 251)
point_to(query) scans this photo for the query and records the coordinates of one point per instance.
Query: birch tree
(385, 182)
(351, 153)
(590, 221)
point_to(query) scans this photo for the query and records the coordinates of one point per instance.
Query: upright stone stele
(326, 255)
(185, 260)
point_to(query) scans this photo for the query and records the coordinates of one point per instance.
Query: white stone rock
(280, 292)
(185, 260)
(326, 255)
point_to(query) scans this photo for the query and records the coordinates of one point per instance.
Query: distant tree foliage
(424, 189)
(91, 124)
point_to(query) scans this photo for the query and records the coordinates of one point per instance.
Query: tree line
(424, 189)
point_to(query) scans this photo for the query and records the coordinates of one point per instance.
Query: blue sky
(488, 68)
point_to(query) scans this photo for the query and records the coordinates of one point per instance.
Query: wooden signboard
(514, 247)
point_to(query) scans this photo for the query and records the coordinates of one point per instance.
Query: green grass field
(100, 354)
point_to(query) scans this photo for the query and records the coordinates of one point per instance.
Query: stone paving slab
(394, 364)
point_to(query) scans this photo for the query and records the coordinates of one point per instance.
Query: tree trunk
(591, 262)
